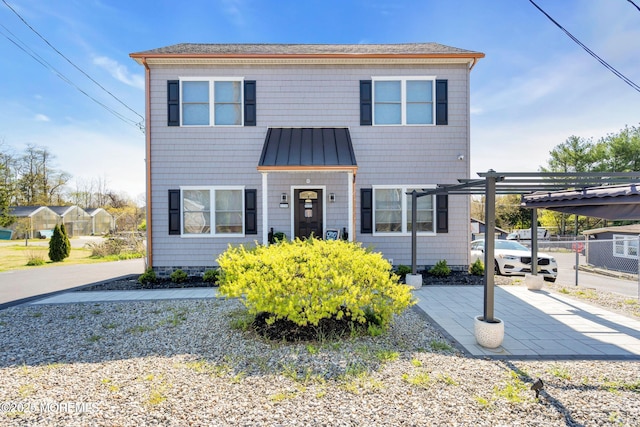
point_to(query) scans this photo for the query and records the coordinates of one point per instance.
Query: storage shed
(614, 248)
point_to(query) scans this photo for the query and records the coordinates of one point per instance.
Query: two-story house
(246, 139)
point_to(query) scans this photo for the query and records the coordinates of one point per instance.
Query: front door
(308, 213)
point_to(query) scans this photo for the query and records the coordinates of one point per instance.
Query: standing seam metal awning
(307, 149)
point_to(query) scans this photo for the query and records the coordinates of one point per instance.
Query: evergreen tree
(57, 249)
(67, 243)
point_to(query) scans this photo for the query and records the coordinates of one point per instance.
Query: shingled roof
(308, 49)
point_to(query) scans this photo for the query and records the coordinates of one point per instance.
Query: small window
(207, 102)
(403, 101)
(198, 217)
(392, 211)
(625, 246)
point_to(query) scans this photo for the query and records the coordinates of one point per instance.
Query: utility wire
(22, 46)
(73, 64)
(589, 51)
(637, 7)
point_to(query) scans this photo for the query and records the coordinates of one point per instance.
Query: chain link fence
(604, 259)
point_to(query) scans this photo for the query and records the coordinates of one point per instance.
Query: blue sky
(534, 89)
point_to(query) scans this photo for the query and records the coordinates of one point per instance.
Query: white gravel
(180, 363)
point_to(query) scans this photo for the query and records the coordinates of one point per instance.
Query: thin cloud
(120, 72)
(233, 9)
(42, 118)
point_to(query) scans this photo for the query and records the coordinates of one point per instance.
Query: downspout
(352, 236)
(148, 161)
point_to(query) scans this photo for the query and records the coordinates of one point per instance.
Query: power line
(139, 124)
(22, 46)
(589, 51)
(637, 7)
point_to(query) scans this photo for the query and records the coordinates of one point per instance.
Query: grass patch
(440, 346)
(420, 379)
(94, 338)
(513, 390)
(387, 356)
(241, 319)
(138, 329)
(16, 257)
(202, 366)
(559, 372)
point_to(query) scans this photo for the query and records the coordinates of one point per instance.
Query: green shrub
(477, 268)
(57, 245)
(403, 270)
(178, 276)
(148, 277)
(210, 276)
(67, 243)
(35, 258)
(441, 269)
(307, 281)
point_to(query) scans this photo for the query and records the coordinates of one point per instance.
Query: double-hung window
(211, 211)
(392, 212)
(625, 246)
(403, 101)
(211, 102)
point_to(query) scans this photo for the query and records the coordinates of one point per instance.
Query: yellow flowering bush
(307, 281)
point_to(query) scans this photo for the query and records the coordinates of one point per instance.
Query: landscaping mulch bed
(456, 278)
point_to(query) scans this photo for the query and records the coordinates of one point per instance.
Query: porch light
(283, 198)
(332, 197)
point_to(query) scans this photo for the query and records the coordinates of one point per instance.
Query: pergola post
(489, 244)
(534, 241)
(414, 233)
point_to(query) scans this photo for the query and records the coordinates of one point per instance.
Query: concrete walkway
(538, 324)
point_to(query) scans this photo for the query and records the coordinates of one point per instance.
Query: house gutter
(147, 134)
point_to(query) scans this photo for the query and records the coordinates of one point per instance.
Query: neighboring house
(76, 220)
(478, 229)
(243, 139)
(35, 221)
(102, 222)
(613, 248)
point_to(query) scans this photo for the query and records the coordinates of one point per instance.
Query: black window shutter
(173, 103)
(366, 210)
(366, 103)
(442, 113)
(250, 103)
(251, 211)
(174, 211)
(442, 213)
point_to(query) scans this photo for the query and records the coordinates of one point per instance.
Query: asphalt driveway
(20, 286)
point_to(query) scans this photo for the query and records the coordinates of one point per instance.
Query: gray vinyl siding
(309, 96)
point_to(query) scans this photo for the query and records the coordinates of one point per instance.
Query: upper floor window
(403, 101)
(211, 102)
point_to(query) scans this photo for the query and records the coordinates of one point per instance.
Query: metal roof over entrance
(307, 148)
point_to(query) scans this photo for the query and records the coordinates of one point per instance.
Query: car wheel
(550, 279)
